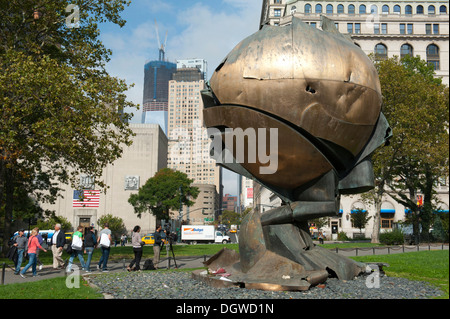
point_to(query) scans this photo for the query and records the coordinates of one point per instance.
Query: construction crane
(161, 47)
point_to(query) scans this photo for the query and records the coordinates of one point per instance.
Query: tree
(360, 218)
(115, 223)
(165, 191)
(416, 105)
(230, 217)
(59, 108)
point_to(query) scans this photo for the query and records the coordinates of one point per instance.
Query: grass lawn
(54, 288)
(429, 266)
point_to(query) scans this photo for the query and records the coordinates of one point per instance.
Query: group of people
(137, 244)
(28, 247)
(80, 244)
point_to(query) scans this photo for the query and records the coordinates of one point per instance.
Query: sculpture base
(277, 258)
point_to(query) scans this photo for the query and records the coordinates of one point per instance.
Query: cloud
(213, 33)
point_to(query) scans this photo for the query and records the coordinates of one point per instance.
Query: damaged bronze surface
(322, 95)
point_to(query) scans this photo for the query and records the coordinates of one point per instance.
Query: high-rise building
(200, 64)
(229, 202)
(246, 192)
(157, 75)
(189, 143)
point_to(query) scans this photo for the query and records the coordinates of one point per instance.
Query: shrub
(394, 237)
(342, 236)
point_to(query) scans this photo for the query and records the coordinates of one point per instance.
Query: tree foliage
(59, 108)
(116, 225)
(165, 191)
(360, 218)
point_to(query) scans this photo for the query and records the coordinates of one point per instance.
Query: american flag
(86, 198)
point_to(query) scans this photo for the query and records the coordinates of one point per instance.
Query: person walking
(21, 243)
(105, 245)
(157, 246)
(137, 244)
(33, 244)
(90, 242)
(41, 241)
(77, 249)
(58, 241)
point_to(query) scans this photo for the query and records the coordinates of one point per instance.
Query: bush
(394, 237)
(342, 236)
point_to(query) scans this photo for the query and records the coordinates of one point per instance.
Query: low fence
(383, 250)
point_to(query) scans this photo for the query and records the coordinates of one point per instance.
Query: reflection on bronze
(322, 94)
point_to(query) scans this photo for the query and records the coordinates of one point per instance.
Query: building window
(318, 8)
(380, 51)
(277, 1)
(428, 28)
(362, 9)
(357, 28)
(431, 10)
(386, 223)
(340, 8)
(376, 28)
(443, 9)
(385, 9)
(402, 28)
(277, 12)
(408, 10)
(308, 8)
(384, 28)
(313, 24)
(349, 27)
(435, 28)
(397, 9)
(329, 9)
(351, 9)
(373, 9)
(419, 9)
(409, 28)
(433, 56)
(406, 49)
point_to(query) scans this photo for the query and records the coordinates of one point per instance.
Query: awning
(356, 211)
(387, 211)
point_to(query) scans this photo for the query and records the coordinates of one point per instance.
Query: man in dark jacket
(90, 242)
(58, 241)
(21, 243)
(157, 246)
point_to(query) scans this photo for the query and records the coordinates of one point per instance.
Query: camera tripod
(170, 240)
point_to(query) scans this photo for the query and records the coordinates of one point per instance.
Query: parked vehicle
(233, 229)
(148, 239)
(194, 234)
(46, 234)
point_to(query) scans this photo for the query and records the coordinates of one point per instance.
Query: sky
(203, 29)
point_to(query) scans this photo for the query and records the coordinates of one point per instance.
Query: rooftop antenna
(161, 47)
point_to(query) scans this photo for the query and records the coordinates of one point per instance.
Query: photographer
(157, 246)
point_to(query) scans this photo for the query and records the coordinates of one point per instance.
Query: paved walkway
(48, 272)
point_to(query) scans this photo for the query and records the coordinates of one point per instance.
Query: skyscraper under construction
(157, 75)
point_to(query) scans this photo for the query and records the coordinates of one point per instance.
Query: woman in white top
(137, 249)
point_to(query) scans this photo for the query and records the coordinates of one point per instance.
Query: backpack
(148, 265)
